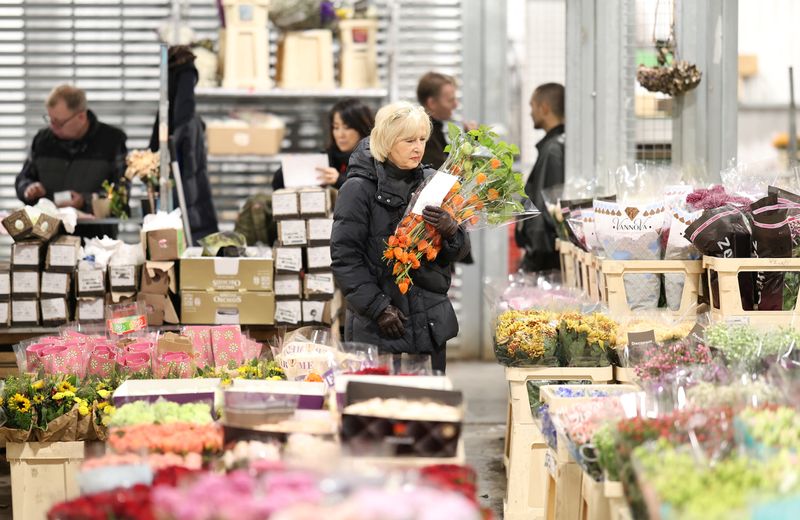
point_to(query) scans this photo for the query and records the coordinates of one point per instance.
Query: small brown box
(5, 283)
(56, 284)
(315, 202)
(54, 311)
(63, 254)
(288, 287)
(90, 281)
(27, 255)
(158, 278)
(25, 284)
(288, 259)
(318, 258)
(292, 233)
(165, 244)
(90, 309)
(285, 204)
(123, 278)
(5, 314)
(319, 231)
(171, 342)
(24, 312)
(288, 312)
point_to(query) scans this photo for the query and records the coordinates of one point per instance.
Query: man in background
(437, 94)
(537, 235)
(72, 157)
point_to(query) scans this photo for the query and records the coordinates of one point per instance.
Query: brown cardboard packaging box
(90, 281)
(288, 287)
(55, 311)
(159, 307)
(200, 273)
(245, 139)
(315, 202)
(164, 244)
(285, 204)
(5, 283)
(27, 255)
(25, 284)
(292, 233)
(5, 314)
(24, 312)
(20, 226)
(289, 312)
(158, 278)
(221, 308)
(56, 284)
(123, 278)
(171, 342)
(91, 309)
(63, 254)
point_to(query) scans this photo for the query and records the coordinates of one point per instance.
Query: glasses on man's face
(56, 123)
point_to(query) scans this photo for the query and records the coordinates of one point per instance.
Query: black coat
(434, 149)
(538, 235)
(369, 207)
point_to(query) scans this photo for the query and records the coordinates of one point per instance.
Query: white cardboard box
(25, 283)
(319, 231)
(285, 204)
(288, 259)
(289, 312)
(292, 232)
(319, 258)
(288, 286)
(55, 284)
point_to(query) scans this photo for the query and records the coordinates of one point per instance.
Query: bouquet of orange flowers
(477, 186)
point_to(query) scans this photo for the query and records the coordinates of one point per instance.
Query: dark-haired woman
(350, 121)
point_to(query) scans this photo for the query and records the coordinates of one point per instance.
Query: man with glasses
(70, 159)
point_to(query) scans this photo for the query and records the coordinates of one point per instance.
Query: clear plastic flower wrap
(750, 349)
(476, 185)
(586, 340)
(643, 334)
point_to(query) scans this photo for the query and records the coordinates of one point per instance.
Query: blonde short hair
(73, 97)
(394, 122)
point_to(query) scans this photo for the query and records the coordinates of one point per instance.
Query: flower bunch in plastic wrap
(586, 339)
(483, 189)
(526, 337)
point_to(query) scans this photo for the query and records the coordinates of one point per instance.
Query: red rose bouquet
(476, 186)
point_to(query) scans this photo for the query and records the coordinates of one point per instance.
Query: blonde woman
(384, 172)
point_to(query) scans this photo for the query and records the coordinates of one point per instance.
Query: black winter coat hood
(369, 207)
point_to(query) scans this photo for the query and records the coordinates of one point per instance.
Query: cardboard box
(90, 281)
(200, 273)
(319, 231)
(164, 245)
(288, 286)
(56, 284)
(25, 284)
(285, 204)
(5, 283)
(241, 138)
(316, 312)
(158, 278)
(120, 297)
(227, 308)
(318, 286)
(160, 309)
(20, 226)
(63, 254)
(288, 259)
(318, 258)
(24, 312)
(182, 391)
(5, 314)
(377, 436)
(90, 309)
(171, 342)
(315, 202)
(289, 312)
(123, 278)
(27, 255)
(292, 233)
(54, 311)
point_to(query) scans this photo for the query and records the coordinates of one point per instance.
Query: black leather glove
(441, 220)
(390, 322)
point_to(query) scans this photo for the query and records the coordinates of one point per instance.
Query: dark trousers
(438, 361)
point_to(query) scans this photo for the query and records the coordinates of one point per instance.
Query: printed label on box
(91, 280)
(320, 283)
(289, 259)
(5, 284)
(54, 309)
(26, 254)
(293, 232)
(320, 229)
(122, 275)
(55, 283)
(284, 203)
(319, 257)
(288, 312)
(287, 285)
(313, 202)
(91, 308)
(25, 282)
(23, 311)
(4, 306)
(62, 255)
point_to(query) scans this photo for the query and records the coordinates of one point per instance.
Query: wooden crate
(729, 306)
(614, 271)
(244, 45)
(525, 447)
(566, 252)
(624, 375)
(42, 475)
(594, 503)
(358, 60)
(305, 60)
(8, 364)
(619, 509)
(549, 397)
(563, 489)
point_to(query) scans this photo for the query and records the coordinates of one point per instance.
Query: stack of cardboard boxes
(158, 289)
(304, 284)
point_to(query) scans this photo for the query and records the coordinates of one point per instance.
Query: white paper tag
(61, 197)
(91, 308)
(285, 203)
(289, 259)
(288, 312)
(54, 309)
(319, 257)
(122, 275)
(24, 311)
(5, 284)
(91, 280)
(4, 307)
(313, 311)
(293, 232)
(62, 255)
(313, 202)
(320, 283)
(435, 191)
(26, 254)
(287, 285)
(55, 283)
(25, 282)
(320, 229)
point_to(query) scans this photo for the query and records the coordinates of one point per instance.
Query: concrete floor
(484, 389)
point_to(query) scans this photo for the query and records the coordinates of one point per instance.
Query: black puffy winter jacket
(370, 205)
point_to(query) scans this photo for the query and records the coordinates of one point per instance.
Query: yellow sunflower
(65, 386)
(37, 385)
(38, 399)
(20, 403)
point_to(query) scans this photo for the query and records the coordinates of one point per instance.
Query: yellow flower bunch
(525, 331)
(65, 387)
(19, 403)
(598, 328)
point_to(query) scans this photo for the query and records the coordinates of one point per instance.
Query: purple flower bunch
(661, 360)
(565, 391)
